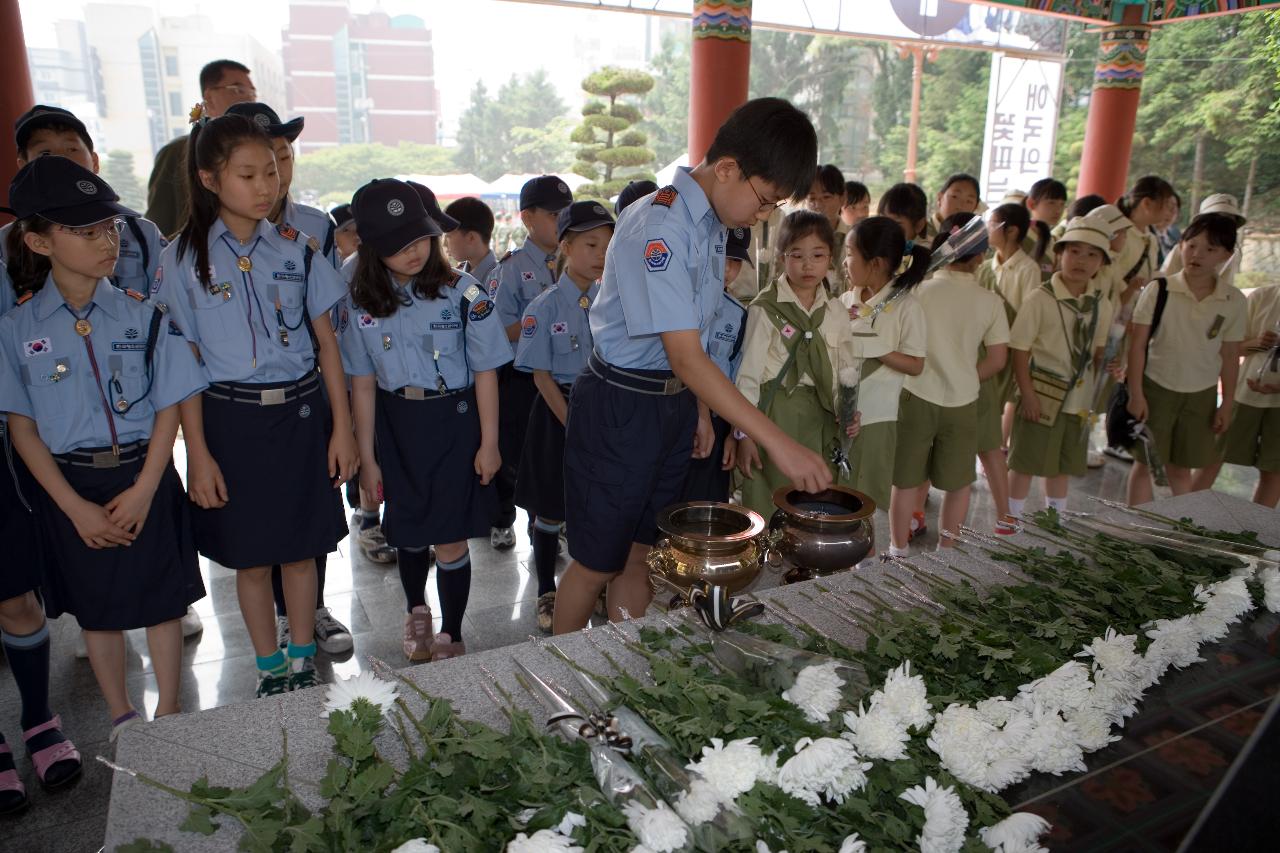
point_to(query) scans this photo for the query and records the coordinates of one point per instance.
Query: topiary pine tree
(607, 142)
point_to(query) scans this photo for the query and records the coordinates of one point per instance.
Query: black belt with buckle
(103, 457)
(413, 392)
(660, 383)
(259, 396)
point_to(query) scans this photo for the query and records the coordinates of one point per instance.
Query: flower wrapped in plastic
(816, 684)
(847, 378)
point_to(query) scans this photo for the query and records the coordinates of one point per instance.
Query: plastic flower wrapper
(714, 823)
(817, 684)
(847, 379)
(651, 819)
(1268, 372)
(1257, 556)
(968, 239)
(1115, 340)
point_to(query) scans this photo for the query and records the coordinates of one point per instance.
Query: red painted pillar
(720, 66)
(1113, 109)
(15, 89)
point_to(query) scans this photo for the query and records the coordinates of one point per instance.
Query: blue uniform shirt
(316, 224)
(46, 373)
(234, 320)
(664, 272)
(427, 341)
(555, 334)
(521, 275)
(725, 348)
(140, 246)
(483, 271)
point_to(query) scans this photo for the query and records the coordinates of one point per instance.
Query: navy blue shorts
(540, 484)
(626, 455)
(705, 480)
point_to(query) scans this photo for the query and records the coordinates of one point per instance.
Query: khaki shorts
(935, 443)
(1182, 423)
(871, 461)
(991, 396)
(1043, 451)
(1253, 438)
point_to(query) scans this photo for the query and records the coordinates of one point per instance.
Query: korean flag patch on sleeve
(656, 255)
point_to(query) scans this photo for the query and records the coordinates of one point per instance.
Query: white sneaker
(282, 631)
(502, 538)
(82, 650)
(331, 635)
(1096, 459)
(191, 624)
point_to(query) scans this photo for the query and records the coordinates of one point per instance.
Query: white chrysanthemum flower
(1117, 694)
(417, 845)
(1052, 745)
(1175, 642)
(343, 693)
(570, 822)
(732, 769)
(827, 767)
(1230, 598)
(1093, 728)
(876, 733)
(523, 817)
(816, 691)
(1112, 651)
(995, 710)
(945, 820)
(962, 740)
(542, 841)
(904, 696)
(1018, 833)
(1064, 689)
(853, 844)
(660, 829)
(699, 804)
(850, 376)
(1271, 589)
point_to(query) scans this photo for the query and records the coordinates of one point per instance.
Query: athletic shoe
(546, 607)
(191, 624)
(1118, 453)
(119, 725)
(502, 538)
(374, 544)
(272, 685)
(418, 634)
(918, 527)
(383, 555)
(331, 635)
(302, 674)
(443, 647)
(282, 631)
(1095, 459)
(1007, 526)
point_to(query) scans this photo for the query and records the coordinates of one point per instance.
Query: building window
(175, 103)
(171, 65)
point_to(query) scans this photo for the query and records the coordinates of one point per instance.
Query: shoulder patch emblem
(665, 197)
(471, 292)
(529, 325)
(287, 231)
(656, 255)
(480, 310)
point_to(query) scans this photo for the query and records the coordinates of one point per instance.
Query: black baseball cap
(342, 216)
(739, 244)
(63, 192)
(631, 192)
(581, 216)
(390, 215)
(42, 116)
(446, 222)
(472, 214)
(547, 192)
(267, 119)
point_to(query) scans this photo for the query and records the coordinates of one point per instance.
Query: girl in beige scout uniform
(1144, 206)
(938, 416)
(1059, 333)
(795, 343)
(959, 194)
(889, 335)
(827, 196)
(1229, 207)
(1173, 384)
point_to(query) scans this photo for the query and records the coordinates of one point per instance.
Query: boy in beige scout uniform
(1061, 330)
(938, 415)
(1173, 384)
(1253, 439)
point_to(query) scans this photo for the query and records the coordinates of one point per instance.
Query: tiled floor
(220, 669)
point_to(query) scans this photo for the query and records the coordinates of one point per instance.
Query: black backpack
(1122, 427)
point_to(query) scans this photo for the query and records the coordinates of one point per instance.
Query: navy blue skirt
(516, 395)
(281, 505)
(117, 589)
(540, 484)
(705, 480)
(427, 452)
(23, 568)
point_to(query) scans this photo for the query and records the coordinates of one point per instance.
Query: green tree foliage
(329, 176)
(666, 107)
(610, 151)
(118, 172)
(517, 130)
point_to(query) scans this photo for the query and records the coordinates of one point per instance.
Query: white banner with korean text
(1022, 124)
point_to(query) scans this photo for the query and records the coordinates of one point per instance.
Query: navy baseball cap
(390, 215)
(446, 222)
(43, 116)
(547, 192)
(267, 119)
(631, 192)
(739, 244)
(582, 216)
(342, 216)
(63, 192)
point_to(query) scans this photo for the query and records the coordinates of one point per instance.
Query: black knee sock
(321, 562)
(28, 656)
(546, 547)
(277, 588)
(414, 567)
(453, 584)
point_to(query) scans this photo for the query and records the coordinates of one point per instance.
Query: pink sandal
(9, 782)
(45, 759)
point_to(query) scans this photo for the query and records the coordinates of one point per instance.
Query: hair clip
(198, 116)
(907, 260)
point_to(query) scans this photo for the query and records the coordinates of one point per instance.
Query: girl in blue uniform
(91, 383)
(422, 344)
(254, 300)
(555, 340)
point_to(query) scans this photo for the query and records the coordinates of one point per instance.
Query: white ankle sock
(1059, 504)
(1015, 507)
(895, 551)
